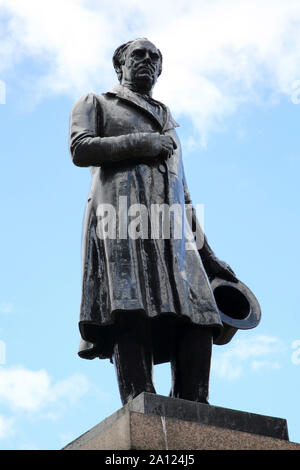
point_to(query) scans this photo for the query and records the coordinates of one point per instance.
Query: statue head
(138, 64)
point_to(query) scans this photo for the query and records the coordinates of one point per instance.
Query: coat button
(162, 168)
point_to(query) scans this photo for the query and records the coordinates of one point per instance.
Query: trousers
(190, 359)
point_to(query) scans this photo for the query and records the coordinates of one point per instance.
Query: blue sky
(231, 83)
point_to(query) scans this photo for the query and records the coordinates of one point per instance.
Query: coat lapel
(126, 94)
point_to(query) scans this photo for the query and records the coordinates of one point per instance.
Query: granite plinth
(186, 410)
(154, 422)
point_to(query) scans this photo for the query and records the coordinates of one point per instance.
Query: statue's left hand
(168, 145)
(218, 268)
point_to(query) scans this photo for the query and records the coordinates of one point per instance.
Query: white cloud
(259, 365)
(26, 390)
(243, 354)
(217, 54)
(6, 427)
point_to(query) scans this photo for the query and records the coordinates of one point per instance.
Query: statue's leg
(190, 363)
(132, 356)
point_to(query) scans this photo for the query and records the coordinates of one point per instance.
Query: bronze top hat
(238, 307)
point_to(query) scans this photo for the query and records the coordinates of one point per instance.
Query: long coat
(162, 278)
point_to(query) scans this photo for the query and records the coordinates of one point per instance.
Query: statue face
(142, 65)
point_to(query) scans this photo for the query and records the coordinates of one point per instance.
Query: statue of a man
(145, 299)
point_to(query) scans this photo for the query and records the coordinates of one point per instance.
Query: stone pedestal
(154, 422)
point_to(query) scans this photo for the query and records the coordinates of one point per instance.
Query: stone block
(154, 422)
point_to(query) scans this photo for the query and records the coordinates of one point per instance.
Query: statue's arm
(87, 148)
(212, 265)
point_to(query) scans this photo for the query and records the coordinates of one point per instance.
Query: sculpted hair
(120, 54)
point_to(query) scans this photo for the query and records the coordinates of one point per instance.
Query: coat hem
(97, 340)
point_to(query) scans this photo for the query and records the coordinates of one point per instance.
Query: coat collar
(126, 94)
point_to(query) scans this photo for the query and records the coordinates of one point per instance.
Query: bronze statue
(145, 299)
